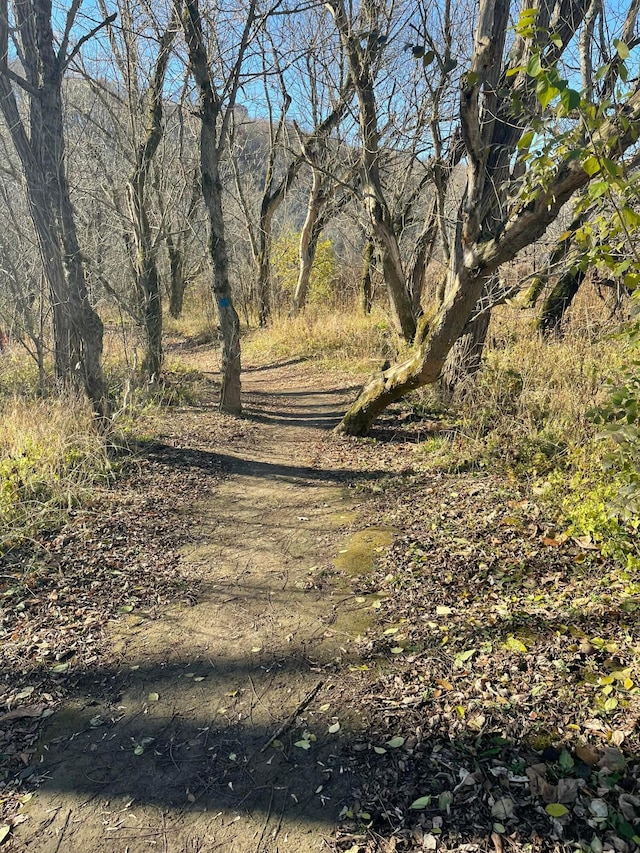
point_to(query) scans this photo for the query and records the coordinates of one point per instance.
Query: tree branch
(85, 38)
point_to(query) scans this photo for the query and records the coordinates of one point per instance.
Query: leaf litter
(114, 559)
(517, 696)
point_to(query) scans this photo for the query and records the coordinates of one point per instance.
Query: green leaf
(60, 667)
(621, 48)
(526, 140)
(153, 697)
(592, 166)
(420, 803)
(626, 830)
(514, 645)
(546, 93)
(126, 608)
(379, 750)
(428, 58)
(302, 744)
(395, 742)
(444, 800)
(565, 761)
(533, 66)
(570, 99)
(631, 281)
(333, 728)
(556, 810)
(138, 750)
(598, 189)
(463, 657)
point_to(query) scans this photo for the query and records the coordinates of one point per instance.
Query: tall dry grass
(51, 458)
(344, 340)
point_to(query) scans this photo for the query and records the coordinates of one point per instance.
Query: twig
(62, 831)
(292, 717)
(266, 823)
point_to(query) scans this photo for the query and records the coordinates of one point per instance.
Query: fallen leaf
(556, 810)
(514, 645)
(599, 809)
(5, 829)
(612, 760)
(588, 754)
(502, 809)
(567, 790)
(18, 713)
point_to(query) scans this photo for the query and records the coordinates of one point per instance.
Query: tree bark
(558, 301)
(366, 278)
(309, 236)
(78, 330)
(210, 113)
(359, 57)
(145, 263)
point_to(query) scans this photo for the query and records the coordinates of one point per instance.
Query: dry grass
(345, 340)
(51, 456)
(527, 411)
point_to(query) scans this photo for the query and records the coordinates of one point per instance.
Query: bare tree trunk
(309, 236)
(177, 282)
(78, 329)
(366, 278)
(263, 287)
(211, 138)
(360, 57)
(145, 263)
(559, 300)
(465, 356)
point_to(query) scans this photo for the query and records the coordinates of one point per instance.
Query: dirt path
(186, 740)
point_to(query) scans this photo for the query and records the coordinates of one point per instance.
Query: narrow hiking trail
(185, 739)
(269, 639)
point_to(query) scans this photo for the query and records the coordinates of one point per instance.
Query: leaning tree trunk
(465, 357)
